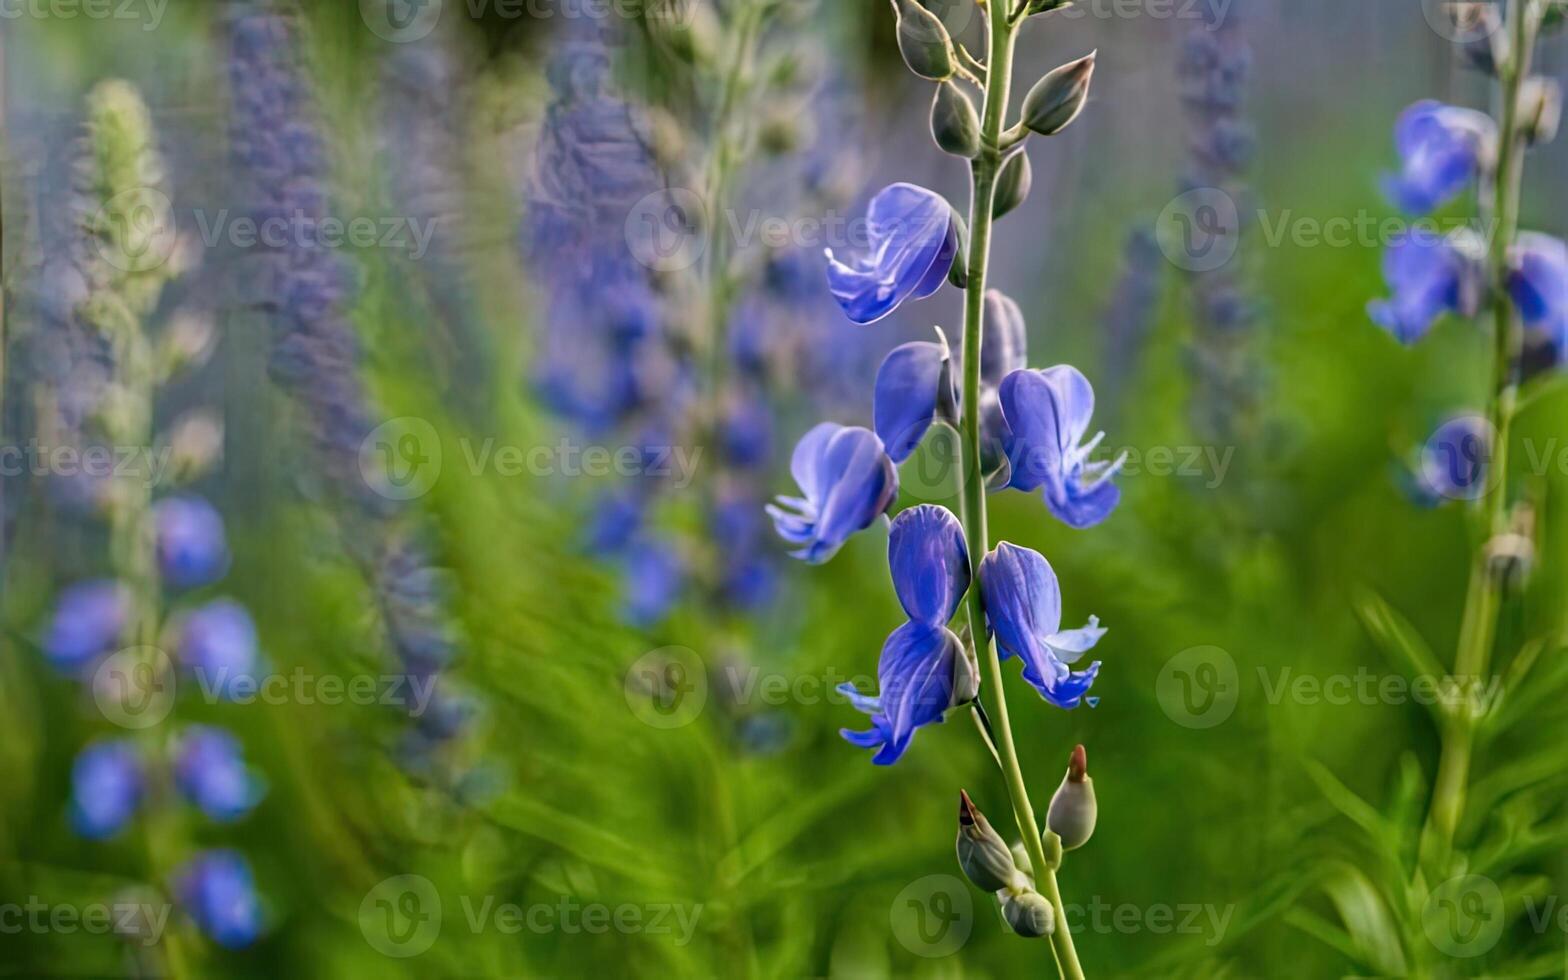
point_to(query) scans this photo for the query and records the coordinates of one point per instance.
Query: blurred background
(537, 691)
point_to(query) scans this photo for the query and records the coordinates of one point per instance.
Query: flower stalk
(986, 167)
(1478, 626)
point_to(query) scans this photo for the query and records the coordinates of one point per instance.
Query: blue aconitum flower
(922, 661)
(848, 482)
(1023, 605)
(1430, 276)
(913, 239)
(1045, 415)
(88, 621)
(912, 386)
(218, 893)
(1443, 148)
(192, 548)
(106, 788)
(217, 642)
(1538, 284)
(209, 769)
(1456, 458)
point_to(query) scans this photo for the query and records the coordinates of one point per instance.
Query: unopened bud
(690, 30)
(958, 272)
(1510, 556)
(1012, 184)
(195, 444)
(982, 854)
(954, 123)
(1540, 109)
(923, 41)
(1029, 914)
(1057, 98)
(1073, 811)
(186, 342)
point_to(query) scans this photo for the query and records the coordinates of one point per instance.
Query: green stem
(986, 167)
(1478, 627)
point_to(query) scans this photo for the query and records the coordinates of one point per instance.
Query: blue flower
(1538, 284)
(746, 430)
(651, 582)
(912, 237)
(219, 894)
(1456, 458)
(847, 480)
(209, 769)
(1430, 276)
(192, 548)
(217, 642)
(88, 621)
(1442, 148)
(1045, 415)
(923, 661)
(106, 788)
(615, 520)
(909, 394)
(1023, 605)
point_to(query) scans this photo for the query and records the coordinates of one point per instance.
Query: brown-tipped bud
(982, 854)
(1073, 811)
(923, 41)
(1057, 98)
(1540, 109)
(1029, 914)
(1510, 556)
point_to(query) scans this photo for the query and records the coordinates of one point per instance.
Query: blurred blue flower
(652, 577)
(913, 239)
(1023, 605)
(192, 548)
(209, 768)
(89, 619)
(746, 430)
(916, 675)
(1456, 458)
(106, 788)
(218, 893)
(847, 480)
(217, 642)
(1429, 276)
(1538, 284)
(615, 520)
(1442, 149)
(909, 394)
(1045, 415)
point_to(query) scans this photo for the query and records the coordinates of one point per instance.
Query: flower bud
(1045, 6)
(186, 343)
(1510, 556)
(954, 123)
(1029, 914)
(923, 41)
(966, 668)
(1057, 98)
(958, 272)
(1012, 184)
(1073, 812)
(1540, 109)
(195, 445)
(982, 854)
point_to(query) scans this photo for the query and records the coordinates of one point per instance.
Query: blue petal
(929, 563)
(1070, 645)
(915, 674)
(1082, 505)
(1046, 414)
(1539, 282)
(849, 483)
(912, 242)
(908, 391)
(1004, 345)
(861, 702)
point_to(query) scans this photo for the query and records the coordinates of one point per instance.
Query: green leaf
(1367, 919)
